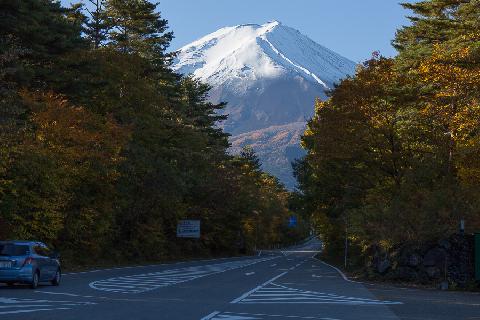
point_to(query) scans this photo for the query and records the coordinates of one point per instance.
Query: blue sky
(353, 28)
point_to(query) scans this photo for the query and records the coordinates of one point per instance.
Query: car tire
(35, 280)
(56, 279)
(10, 284)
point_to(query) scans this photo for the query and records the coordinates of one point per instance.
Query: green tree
(96, 26)
(135, 27)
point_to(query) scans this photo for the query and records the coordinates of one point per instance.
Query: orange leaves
(75, 133)
(455, 100)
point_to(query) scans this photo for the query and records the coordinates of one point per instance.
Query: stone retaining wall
(450, 259)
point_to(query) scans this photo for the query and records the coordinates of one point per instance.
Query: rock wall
(450, 259)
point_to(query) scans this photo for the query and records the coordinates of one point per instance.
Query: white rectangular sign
(188, 229)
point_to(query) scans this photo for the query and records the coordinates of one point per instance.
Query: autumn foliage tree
(104, 148)
(393, 154)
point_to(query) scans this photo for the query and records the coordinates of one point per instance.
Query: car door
(43, 261)
(51, 263)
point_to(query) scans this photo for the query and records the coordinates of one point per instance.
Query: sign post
(477, 256)
(188, 229)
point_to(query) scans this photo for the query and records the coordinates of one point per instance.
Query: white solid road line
(27, 306)
(339, 271)
(211, 315)
(64, 294)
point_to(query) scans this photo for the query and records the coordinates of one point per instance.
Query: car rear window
(13, 250)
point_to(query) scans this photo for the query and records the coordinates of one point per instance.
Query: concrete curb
(339, 271)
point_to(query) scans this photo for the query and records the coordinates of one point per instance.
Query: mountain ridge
(270, 75)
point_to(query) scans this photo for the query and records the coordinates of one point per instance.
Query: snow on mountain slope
(250, 52)
(270, 76)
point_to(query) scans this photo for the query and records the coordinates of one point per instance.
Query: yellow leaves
(454, 76)
(74, 134)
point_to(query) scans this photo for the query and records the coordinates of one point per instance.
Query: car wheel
(57, 278)
(35, 280)
(10, 284)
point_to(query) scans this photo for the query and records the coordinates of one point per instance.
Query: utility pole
(256, 227)
(346, 247)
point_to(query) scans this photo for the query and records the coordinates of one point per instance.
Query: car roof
(24, 242)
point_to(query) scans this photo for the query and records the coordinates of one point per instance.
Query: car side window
(47, 252)
(42, 251)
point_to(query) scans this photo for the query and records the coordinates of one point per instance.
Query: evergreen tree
(105, 147)
(41, 32)
(96, 27)
(433, 22)
(135, 27)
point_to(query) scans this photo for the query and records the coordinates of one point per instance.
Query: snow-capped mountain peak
(250, 51)
(270, 75)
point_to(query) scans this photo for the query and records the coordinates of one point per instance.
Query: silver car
(28, 262)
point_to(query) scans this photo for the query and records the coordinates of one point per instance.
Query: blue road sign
(188, 229)
(292, 221)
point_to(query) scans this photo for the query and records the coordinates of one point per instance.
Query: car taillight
(28, 261)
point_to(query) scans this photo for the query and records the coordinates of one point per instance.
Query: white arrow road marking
(150, 281)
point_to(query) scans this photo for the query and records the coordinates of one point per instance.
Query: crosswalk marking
(150, 281)
(15, 306)
(275, 293)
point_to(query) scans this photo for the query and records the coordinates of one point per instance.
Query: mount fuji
(270, 75)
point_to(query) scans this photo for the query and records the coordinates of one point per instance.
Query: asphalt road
(272, 286)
